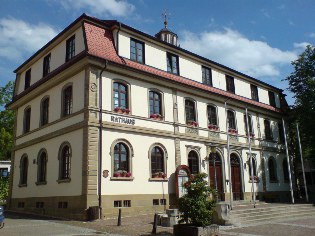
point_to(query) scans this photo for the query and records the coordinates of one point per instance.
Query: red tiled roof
(100, 43)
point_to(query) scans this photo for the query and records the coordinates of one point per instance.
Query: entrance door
(236, 177)
(215, 174)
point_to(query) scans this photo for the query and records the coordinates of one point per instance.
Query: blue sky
(258, 38)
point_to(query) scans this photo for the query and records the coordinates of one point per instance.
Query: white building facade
(105, 114)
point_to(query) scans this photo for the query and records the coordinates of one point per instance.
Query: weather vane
(166, 16)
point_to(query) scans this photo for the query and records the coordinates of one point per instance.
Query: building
(82, 141)
(5, 168)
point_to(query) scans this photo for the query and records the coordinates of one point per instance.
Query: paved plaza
(18, 225)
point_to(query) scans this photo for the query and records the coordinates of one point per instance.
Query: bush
(197, 205)
(4, 188)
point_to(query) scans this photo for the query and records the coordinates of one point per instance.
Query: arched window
(212, 115)
(120, 95)
(27, 120)
(250, 124)
(44, 115)
(67, 101)
(190, 111)
(272, 165)
(155, 100)
(121, 157)
(64, 162)
(41, 167)
(193, 162)
(231, 119)
(23, 170)
(157, 161)
(285, 170)
(268, 133)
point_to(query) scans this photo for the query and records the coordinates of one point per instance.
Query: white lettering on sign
(122, 120)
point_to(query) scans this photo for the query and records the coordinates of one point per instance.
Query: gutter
(100, 149)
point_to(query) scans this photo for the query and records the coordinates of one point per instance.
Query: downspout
(100, 149)
(117, 41)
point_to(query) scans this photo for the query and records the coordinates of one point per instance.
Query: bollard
(119, 218)
(154, 224)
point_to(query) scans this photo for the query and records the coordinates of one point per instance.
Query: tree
(196, 206)
(302, 85)
(6, 121)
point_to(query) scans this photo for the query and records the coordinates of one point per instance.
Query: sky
(259, 38)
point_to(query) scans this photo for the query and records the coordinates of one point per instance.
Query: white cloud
(230, 48)
(312, 35)
(300, 47)
(118, 8)
(19, 38)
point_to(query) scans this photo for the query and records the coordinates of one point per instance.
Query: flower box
(233, 131)
(122, 110)
(252, 135)
(122, 173)
(213, 127)
(159, 175)
(192, 123)
(256, 179)
(156, 116)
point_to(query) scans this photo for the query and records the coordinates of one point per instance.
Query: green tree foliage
(4, 188)
(196, 205)
(6, 121)
(302, 84)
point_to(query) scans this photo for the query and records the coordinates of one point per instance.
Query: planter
(190, 230)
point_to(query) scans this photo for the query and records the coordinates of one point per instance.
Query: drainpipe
(117, 39)
(100, 149)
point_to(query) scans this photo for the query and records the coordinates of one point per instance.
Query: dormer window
(272, 99)
(27, 79)
(172, 63)
(46, 65)
(230, 87)
(137, 51)
(70, 48)
(206, 76)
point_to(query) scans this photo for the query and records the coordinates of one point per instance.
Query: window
(62, 204)
(117, 203)
(155, 202)
(272, 169)
(46, 65)
(120, 93)
(67, 101)
(250, 124)
(172, 63)
(64, 162)
(285, 170)
(254, 92)
(127, 203)
(206, 76)
(21, 204)
(231, 120)
(155, 103)
(268, 133)
(27, 120)
(190, 111)
(40, 205)
(212, 115)
(121, 157)
(23, 170)
(250, 167)
(137, 51)
(70, 48)
(272, 99)
(41, 167)
(157, 161)
(193, 162)
(44, 111)
(27, 79)
(230, 84)
(281, 132)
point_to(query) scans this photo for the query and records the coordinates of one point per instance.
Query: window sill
(121, 178)
(255, 181)
(60, 181)
(22, 185)
(41, 183)
(158, 179)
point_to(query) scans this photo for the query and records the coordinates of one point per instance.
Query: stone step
(275, 219)
(274, 214)
(247, 216)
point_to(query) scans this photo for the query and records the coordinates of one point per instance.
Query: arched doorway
(236, 177)
(215, 174)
